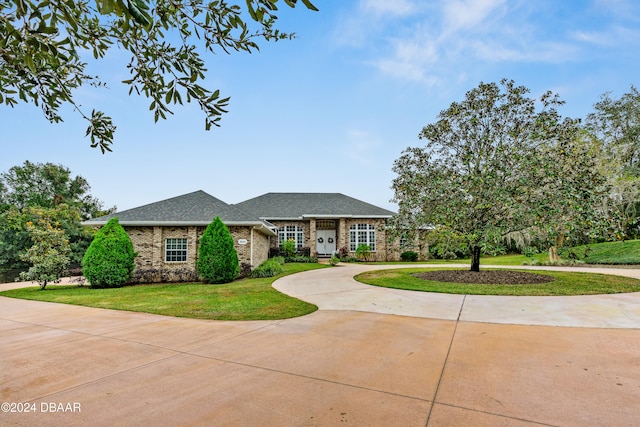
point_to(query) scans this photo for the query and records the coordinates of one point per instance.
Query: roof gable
(298, 205)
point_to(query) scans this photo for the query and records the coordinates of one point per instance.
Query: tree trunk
(475, 258)
(553, 250)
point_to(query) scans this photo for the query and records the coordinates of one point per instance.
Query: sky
(331, 110)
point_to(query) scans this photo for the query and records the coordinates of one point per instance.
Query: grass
(247, 299)
(625, 252)
(564, 284)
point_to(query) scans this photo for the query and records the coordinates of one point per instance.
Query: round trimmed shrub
(109, 259)
(217, 257)
(409, 256)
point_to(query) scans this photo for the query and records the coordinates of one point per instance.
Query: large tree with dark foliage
(497, 163)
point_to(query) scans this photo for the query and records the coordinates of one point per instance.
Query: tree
(42, 44)
(615, 124)
(50, 189)
(49, 254)
(217, 257)
(16, 239)
(110, 260)
(491, 166)
(47, 185)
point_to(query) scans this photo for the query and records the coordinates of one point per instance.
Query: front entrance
(325, 242)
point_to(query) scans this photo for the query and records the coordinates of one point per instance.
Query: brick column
(312, 236)
(158, 253)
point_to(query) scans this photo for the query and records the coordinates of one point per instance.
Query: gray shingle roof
(197, 208)
(273, 206)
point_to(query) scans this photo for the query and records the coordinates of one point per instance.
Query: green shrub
(269, 268)
(217, 257)
(409, 256)
(288, 248)
(280, 259)
(109, 260)
(334, 260)
(363, 251)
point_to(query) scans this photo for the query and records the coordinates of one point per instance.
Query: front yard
(247, 299)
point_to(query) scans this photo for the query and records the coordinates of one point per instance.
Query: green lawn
(564, 284)
(612, 253)
(247, 299)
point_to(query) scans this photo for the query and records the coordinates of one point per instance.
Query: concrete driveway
(368, 357)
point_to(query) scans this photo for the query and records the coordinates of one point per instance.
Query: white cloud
(465, 14)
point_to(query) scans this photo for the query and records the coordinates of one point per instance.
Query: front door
(325, 242)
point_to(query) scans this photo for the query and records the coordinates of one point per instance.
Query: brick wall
(149, 243)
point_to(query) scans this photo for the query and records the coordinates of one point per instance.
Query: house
(323, 222)
(165, 234)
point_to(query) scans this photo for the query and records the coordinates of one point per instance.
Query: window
(291, 232)
(362, 234)
(325, 224)
(175, 250)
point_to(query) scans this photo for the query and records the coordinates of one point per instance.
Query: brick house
(166, 233)
(324, 222)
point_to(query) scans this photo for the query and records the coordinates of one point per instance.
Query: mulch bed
(492, 277)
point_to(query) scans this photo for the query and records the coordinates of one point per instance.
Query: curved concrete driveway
(346, 364)
(335, 289)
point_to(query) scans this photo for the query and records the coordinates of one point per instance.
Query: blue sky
(331, 110)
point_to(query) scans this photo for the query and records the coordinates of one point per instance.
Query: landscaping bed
(488, 277)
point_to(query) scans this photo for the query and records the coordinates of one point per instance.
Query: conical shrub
(217, 257)
(109, 260)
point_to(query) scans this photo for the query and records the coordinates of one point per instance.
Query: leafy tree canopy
(495, 163)
(47, 185)
(49, 254)
(34, 191)
(43, 43)
(615, 125)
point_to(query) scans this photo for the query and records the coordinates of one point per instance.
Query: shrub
(155, 275)
(449, 255)
(217, 257)
(109, 260)
(363, 251)
(288, 248)
(305, 251)
(334, 260)
(343, 252)
(245, 270)
(274, 252)
(269, 268)
(409, 256)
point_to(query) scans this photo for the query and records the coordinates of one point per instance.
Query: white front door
(325, 242)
